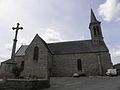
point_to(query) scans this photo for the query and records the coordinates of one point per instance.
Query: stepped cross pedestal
(15, 41)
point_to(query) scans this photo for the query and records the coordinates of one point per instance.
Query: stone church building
(41, 59)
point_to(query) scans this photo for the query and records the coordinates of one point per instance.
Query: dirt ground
(85, 83)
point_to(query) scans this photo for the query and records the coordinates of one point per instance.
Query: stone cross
(15, 40)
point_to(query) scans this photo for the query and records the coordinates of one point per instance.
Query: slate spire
(93, 18)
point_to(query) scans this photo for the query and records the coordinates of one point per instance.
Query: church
(63, 59)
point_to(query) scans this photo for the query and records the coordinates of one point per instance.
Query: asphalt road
(85, 83)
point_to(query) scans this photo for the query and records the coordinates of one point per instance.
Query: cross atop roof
(17, 28)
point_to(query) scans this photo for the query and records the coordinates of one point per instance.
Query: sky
(58, 21)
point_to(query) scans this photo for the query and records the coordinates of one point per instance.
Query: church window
(79, 64)
(94, 28)
(98, 30)
(36, 53)
(22, 65)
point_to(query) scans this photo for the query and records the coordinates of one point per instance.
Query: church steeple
(93, 18)
(95, 29)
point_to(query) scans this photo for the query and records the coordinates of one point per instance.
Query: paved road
(85, 83)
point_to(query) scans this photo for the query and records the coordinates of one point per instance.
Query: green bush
(16, 70)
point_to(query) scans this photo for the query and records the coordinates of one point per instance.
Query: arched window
(79, 64)
(22, 65)
(94, 29)
(98, 30)
(36, 53)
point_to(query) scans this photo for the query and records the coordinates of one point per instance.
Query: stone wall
(6, 69)
(3, 69)
(66, 65)
(36, 68)
(50, 63)
(105, 61)
(24, 84)
(19, 59)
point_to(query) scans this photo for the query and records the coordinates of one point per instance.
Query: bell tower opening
(95, 30)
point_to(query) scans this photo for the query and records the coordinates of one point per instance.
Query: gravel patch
(85, 83)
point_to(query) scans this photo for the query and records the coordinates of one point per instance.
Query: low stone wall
(23, 84)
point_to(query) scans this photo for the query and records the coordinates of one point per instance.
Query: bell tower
(95, 29)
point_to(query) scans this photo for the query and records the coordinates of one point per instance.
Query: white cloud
(8, 49)
(8, 46)
(22, 41)
(51, 35)
(3, 57)
(115, 54)
(110, 10)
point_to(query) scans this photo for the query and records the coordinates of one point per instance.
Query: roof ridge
(70, 41)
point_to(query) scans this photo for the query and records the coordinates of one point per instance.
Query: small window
(36, 53)
(79, 64)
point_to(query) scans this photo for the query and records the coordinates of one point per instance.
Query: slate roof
(7, 61)
(21, 50)
(71, 47)
(75, 47)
